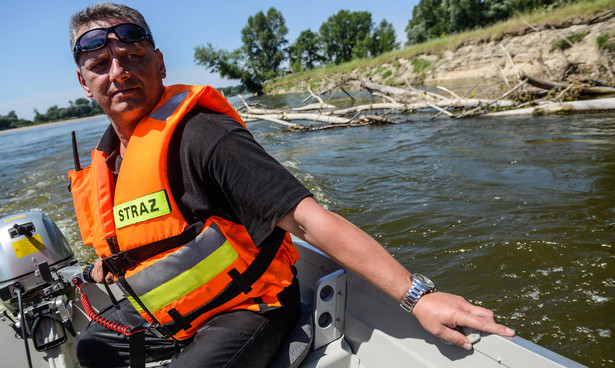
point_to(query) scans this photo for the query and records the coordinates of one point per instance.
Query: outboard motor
(37, 267)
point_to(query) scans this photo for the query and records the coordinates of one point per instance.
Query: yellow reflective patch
(141, 209)
(135, 304)
(190, 280)
(14, 218)
(27, 246)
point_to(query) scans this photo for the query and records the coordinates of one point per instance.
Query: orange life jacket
(176, 274)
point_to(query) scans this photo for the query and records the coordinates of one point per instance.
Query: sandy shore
(63, 122)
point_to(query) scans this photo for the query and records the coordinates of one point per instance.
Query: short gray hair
(105, 11)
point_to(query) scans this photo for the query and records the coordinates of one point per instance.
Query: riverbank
(552, 47)
(63, 122)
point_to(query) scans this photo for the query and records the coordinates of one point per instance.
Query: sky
(37, 68)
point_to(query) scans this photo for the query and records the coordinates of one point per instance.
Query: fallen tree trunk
(290, 116)
(598, 105)
(457, 104)
(253, 117)
(478, 110)
(257, 111)
(584, 89)
(315, 106)
(362, 120)
(398, 93)
(377, 106)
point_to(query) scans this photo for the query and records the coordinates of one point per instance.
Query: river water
(516, 214)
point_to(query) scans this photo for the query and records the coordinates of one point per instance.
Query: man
(192, 217)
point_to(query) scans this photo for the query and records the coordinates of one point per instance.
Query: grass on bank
(606, 43)
(582, 10)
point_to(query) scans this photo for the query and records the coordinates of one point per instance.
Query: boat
(346, 322)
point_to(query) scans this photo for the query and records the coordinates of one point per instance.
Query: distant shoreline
(30, 127)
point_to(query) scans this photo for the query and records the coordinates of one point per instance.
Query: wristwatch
(421, 285)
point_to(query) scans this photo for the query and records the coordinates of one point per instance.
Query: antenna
(75, 152)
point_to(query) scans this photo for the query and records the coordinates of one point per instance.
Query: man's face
(124, 78)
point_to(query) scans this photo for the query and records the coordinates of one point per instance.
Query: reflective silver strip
(176, 263)
(163, 112)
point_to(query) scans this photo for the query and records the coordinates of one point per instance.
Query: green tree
(260, 57)
(519, 6)
(233, 90)
(384, 39)
(82, 101)
(229, 64)
(264, 40)
(305, 52)
(96, 109)
(363, 48)
(4, 123)
(435, 18)
(8, 121)
(429, 20)
(494, 10)
(342, 31)
(12, 115)
(11, 120)
(462, 14)
(40, 118)
(53, 113)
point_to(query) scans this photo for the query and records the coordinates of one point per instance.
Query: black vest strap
(136, 345)
(119, 262)
(179, 320)
(241, 281)
(124, 285)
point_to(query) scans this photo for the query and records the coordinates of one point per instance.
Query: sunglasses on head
(96, 38)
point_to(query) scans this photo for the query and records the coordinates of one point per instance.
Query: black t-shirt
(217, 168)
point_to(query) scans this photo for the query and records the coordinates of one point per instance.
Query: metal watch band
(417, 290)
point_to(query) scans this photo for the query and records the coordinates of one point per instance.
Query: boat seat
(298, 343)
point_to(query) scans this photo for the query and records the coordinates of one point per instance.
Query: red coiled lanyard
(100, 319)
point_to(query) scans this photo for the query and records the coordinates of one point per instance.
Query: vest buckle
(117, 263)
(157, 330)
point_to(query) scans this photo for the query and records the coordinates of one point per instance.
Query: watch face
(423, 280)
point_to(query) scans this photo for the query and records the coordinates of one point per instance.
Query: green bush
(567, 43)
(605, 43)
(420, 65)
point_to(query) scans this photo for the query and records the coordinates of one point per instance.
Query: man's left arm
(438, 312)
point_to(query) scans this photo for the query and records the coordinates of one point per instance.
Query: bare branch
(562, 36)
(244, 103)
(272, 119)
(315, 96)
(441, 110)
(449, 92)
(510, 60)
(382, 95)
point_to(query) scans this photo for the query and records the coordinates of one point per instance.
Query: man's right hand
(440, 313)
(98, 275)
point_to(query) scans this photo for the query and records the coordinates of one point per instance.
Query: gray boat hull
(355, 325)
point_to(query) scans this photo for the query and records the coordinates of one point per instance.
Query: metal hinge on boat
(329, 306)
